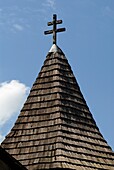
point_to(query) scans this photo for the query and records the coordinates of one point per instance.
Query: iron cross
(55, 30)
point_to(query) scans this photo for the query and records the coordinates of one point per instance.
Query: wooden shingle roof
(55, 128)
(7, 162)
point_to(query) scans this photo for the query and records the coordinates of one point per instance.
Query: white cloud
(12, 97)
(50, 3)
(16, 18)
(1, 138)
(108, 11)
(18, 27)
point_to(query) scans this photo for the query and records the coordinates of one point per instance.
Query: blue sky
(87, 44)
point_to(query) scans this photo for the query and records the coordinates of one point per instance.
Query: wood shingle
(55, 128)
(7, 162)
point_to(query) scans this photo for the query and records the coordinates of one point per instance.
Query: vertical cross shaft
(55, 30)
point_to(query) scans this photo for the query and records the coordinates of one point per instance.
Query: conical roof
(55, 128)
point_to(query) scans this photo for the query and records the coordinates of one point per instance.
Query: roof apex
(55, 49)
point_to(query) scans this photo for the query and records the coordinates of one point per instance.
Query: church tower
(55, 128)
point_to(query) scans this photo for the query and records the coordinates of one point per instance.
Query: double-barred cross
(55, 30)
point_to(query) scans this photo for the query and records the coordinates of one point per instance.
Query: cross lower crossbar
(51, 31)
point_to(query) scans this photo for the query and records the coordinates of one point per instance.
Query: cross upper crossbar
(55, 30)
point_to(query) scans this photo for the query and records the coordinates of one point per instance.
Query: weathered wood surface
(55, 30)
(7, 162)
(55, 128)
